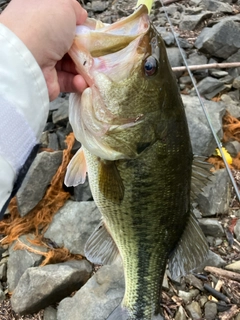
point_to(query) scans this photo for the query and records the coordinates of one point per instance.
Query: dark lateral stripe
(21, 175)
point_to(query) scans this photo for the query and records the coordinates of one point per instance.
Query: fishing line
(219, 144)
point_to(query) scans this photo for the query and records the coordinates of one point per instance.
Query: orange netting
(39, 218)
(231, 132)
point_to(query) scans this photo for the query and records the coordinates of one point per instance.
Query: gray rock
(175, 59)
(60, 117)
(237, 230)
(202, 139)
(216, 6)
(20, 260)
(235, 266)
(187, 297)
(73, 224)
(211, 227)
(194, 310)
(2, 294)
(210, 310)
(236, 83)
(180, 314)
(191, 22)
(209, 87)
(166, 35)
(233, 147)
(215, 195)
(218, 73)
(98, 298)
(53, 141)
(60, 100)
(37, 180)
(221, 40)
(82, 192)
(98, 6)
(50, 314)
(3, 269)
(195, 282)
(197, 58)
(40, 287)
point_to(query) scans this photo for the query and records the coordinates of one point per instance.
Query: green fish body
(139, 161)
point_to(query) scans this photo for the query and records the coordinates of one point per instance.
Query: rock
(37, 180)
(98, 6)
(97, 298)
(53, 141)
(50, 314)
(194, 310)
(235, 266)
(175, 59)
(215, 195)
(82, 192)
(209, 87)
(195, 282)
(211, 227)
(187, 296)
(60, 117)
(2, 294)
(237, 230)
(221, 40)
(180, 314)
(20, 260)
(233, 147)
(216, 6)
(3, 269)
(78, 220)
(216, 73)
(202, 139)
(210, 310)
(40, 287)
(60, 100)
(236, 83)
(166, 35)
(191, 22)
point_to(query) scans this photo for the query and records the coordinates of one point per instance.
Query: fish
(136, 151)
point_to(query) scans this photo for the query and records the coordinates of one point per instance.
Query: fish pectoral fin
(76, 170)
(191, 251)
(201, 174)
(100, 247)
(110, 181)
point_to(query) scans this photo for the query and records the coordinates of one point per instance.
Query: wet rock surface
(208, 32)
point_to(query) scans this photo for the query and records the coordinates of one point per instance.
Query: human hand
(47, 28)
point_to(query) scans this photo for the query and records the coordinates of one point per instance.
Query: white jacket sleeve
(24, 105)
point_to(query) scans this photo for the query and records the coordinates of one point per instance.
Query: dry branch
(208, 66)
(228, 315)
(223, 273)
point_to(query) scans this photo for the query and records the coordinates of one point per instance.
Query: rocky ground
(208, 31)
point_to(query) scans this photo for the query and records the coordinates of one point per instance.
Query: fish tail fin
(119, 314)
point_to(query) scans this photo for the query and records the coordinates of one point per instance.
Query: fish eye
(150, 66)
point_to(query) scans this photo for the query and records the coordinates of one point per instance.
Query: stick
(229, 314)
(167, 2)
(223, 273)
(208, 66)
(216, 293)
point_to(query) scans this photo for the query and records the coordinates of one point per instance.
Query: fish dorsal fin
(76, 170)
(200, 175)
(110, 181)
(191, 251)
(100, 247)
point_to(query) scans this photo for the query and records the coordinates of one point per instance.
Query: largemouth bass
(137, 152)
